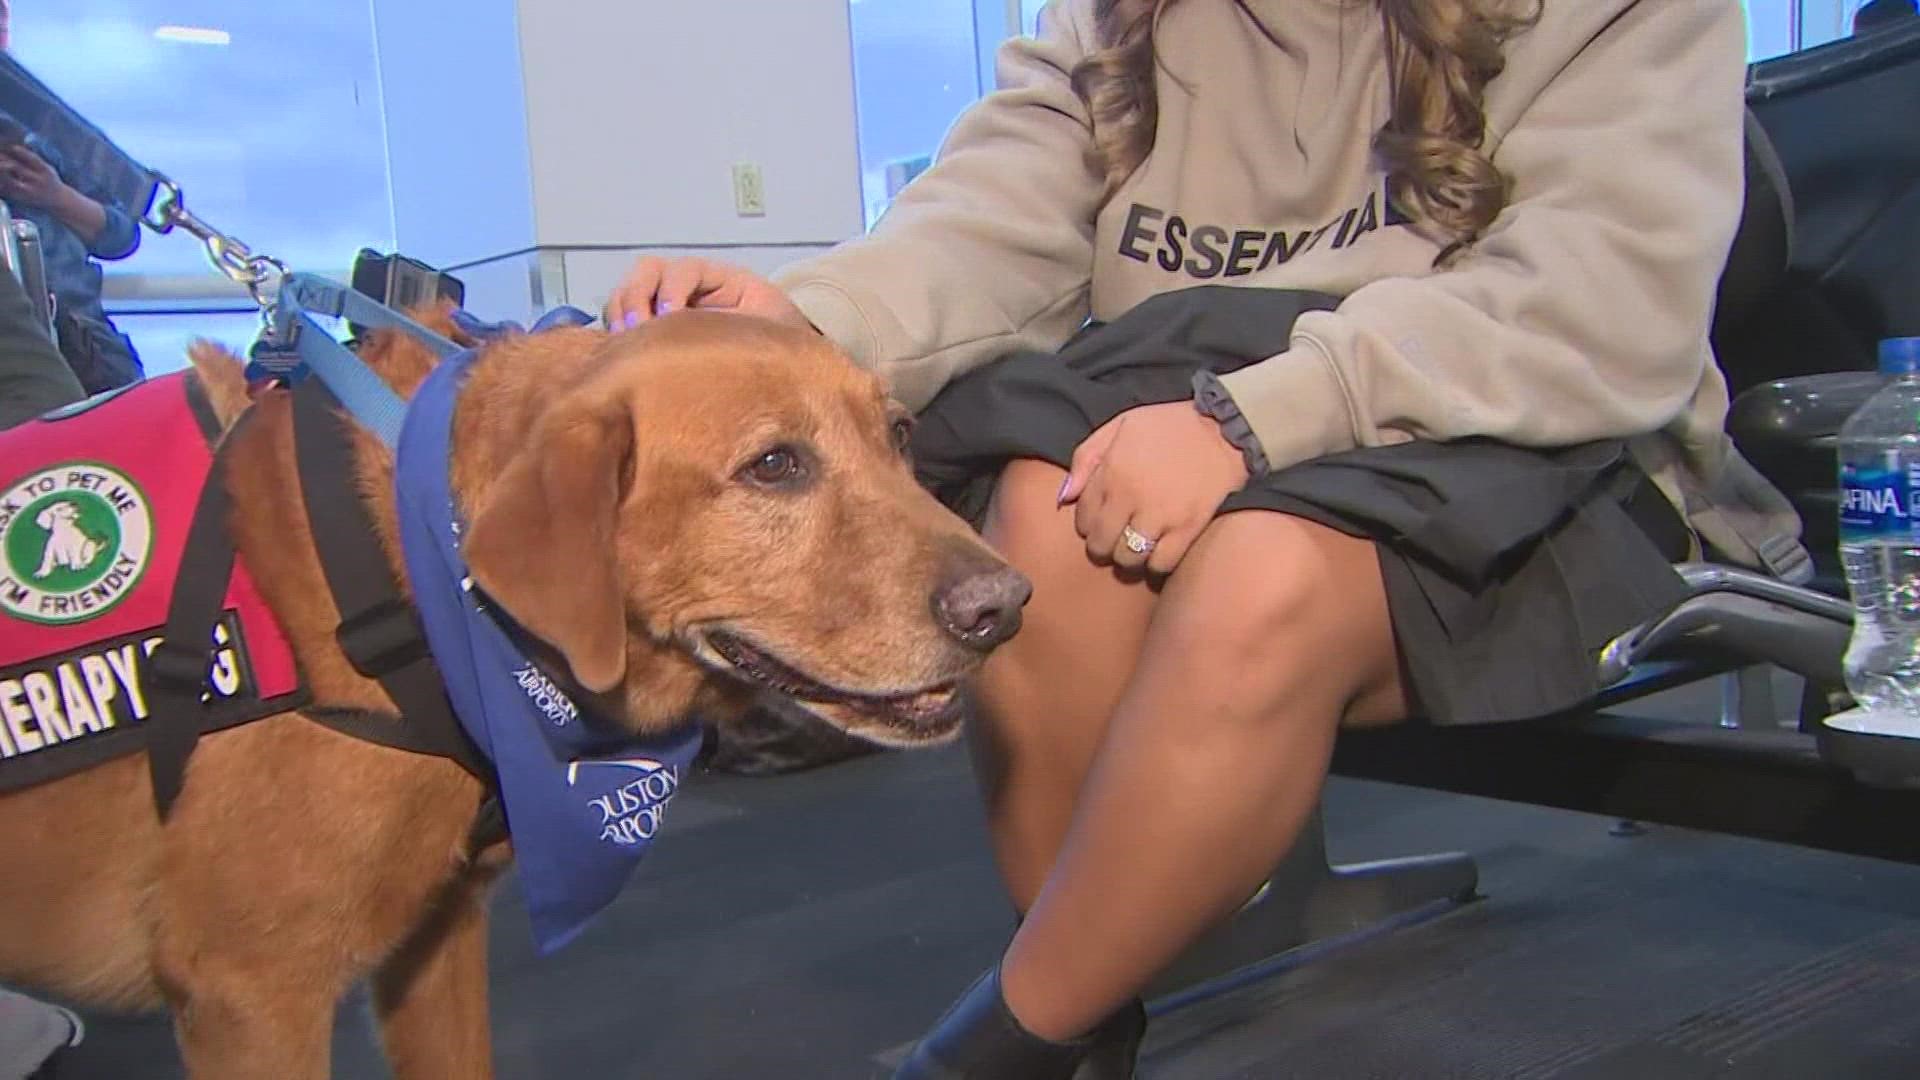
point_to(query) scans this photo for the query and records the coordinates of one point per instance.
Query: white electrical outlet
(749, 192)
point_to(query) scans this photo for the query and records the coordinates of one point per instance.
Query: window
(1772, 24)
(916, 65)
(919, 63)
(268, 116)
(1770, 28)
(162, 338)
(1030, 15)
(1778, 27)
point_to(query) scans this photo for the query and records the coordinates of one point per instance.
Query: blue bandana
(583, 800)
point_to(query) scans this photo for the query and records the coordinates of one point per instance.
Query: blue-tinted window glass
(267, 114)
(1029, 15)
(915, 67)
(1769, 28)
(162, 340)
(1822, 21)
(1770, 23)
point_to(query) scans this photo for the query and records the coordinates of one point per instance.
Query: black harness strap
(178, 672)
(378, 631)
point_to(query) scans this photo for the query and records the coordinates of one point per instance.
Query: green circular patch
(30, 554)
(75, 542)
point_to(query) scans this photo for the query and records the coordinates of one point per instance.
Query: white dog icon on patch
(67, 547)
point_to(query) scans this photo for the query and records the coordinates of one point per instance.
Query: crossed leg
(1147, 755)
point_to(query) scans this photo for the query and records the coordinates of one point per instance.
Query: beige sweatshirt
(1581, 314)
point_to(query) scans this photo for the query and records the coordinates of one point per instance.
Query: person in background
(1883, 14)
(77, 226)
(33, 379)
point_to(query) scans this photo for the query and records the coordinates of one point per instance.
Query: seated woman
(1426, 455)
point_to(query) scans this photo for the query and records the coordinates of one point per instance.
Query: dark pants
(33, 376)
(100, 356)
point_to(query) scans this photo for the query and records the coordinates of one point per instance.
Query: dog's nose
(982, 609)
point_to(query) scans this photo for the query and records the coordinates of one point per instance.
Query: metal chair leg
(1308, 901)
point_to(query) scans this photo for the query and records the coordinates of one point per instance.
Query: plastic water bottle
(1880, 541)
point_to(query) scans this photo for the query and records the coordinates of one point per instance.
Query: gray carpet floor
(811, 926)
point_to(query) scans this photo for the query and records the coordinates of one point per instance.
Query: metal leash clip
(261, 274)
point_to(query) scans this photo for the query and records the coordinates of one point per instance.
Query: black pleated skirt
(1506, 568)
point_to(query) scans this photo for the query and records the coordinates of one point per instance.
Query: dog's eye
(780, 465)
(902, 434)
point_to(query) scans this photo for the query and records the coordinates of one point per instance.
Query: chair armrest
(1792, 416)
(1733, 612)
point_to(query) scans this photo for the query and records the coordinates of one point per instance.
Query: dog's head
(53, 515)
(733, 494)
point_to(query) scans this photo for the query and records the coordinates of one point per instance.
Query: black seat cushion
(1839, 122)
(1837, 157)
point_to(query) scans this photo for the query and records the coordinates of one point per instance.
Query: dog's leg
(248, 1028)
(431, 996)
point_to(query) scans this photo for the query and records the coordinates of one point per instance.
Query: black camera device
(401, 283)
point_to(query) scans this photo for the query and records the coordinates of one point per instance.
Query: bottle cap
(1900, 356)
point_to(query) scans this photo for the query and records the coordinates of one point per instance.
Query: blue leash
(294, 346)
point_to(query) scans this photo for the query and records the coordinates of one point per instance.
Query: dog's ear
(544, 544)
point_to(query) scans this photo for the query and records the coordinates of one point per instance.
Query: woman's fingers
(1170, 547)
(684, 281)
(656, 286)
(632, 299)
(1140, 537)
(1087, 458)
(1099, 513)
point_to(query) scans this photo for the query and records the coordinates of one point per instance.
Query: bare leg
(1045, 697)
(1271, 633)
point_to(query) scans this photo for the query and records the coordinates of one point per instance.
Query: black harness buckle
(382, 639)
(179, 667)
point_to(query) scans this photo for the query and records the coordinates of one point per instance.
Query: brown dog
(689, 514)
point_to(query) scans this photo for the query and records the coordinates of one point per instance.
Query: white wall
(540, 146)
(637, 112)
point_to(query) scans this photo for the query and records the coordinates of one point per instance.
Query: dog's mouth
(917, 715)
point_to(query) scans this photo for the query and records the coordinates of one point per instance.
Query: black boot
(1113, 1052)
(980, 1039)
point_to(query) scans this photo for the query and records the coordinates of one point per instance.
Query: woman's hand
(27, 179)
(656, 286)
(1150, 478)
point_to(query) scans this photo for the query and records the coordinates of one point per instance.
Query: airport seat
(20, 251)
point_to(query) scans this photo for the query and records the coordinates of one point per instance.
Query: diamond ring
(1136, 542)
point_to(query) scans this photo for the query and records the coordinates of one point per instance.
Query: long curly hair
(1441, 55)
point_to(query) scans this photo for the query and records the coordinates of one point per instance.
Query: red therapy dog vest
(95, 504)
